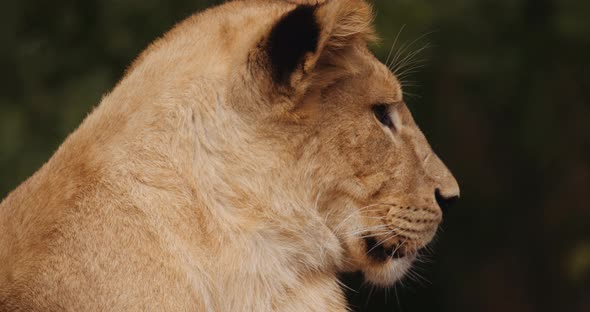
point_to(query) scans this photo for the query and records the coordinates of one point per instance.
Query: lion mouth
(376, 250)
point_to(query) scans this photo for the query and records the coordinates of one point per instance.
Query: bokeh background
(501, 91)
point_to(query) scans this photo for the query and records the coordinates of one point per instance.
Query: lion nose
(444, 202)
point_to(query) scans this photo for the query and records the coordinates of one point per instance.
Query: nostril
(444, 202)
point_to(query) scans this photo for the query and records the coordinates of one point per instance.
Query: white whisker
(383, 241)
(394, 43)
(357, 211)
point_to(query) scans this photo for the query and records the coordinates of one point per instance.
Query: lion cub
(249, 156)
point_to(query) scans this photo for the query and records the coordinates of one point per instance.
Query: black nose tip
(444, 202)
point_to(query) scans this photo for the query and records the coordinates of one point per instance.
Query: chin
(387, 273)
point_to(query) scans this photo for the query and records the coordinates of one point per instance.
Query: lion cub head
(295, 113)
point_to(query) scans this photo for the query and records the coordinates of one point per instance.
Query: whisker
(383, 241)
(355, 211)
(412, 95)
(410, 60)
(369, 296)
(399, 304)
(375, 234)
(381, 227)
(409, 71)
(343, 285)
(369, 228)
(394, 43)
(398, 59)
(397, 248)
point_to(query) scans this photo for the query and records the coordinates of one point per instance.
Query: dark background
(503, 98)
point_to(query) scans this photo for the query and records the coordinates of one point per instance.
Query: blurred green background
(503, 98)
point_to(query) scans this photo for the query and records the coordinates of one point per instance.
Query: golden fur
(201, 183)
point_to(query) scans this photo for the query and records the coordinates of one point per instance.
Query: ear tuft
(296, 34)
(352, 22)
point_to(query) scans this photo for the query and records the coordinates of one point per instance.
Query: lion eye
(382, 114)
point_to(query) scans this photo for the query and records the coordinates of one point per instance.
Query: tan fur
(197, 184)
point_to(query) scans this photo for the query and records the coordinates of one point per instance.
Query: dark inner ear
(296, 34)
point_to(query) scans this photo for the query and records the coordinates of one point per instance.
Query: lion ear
(292, 42)
(301, 36)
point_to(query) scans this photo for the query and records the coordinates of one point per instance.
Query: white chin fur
(387, 274)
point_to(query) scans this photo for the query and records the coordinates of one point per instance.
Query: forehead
(385, 83)
(373, 83)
